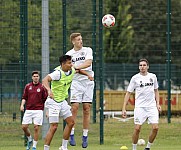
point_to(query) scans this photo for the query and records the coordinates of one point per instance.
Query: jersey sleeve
(89, 54)
(25, 93)
(69, 53)
(155, 83)
(131, 86)
(55, 75)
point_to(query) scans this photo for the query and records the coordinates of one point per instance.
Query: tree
(149, 23)
(118, 40)
(9, 51)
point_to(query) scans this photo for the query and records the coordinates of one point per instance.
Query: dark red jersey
(35, 96)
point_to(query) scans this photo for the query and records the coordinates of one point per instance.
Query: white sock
(85, 132)
(64, 143)
(29, 138)
(72, 131)
(46, 147)
(134, 146)
(148, 145)
(35, 143)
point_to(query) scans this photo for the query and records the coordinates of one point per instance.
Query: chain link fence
(140, 31)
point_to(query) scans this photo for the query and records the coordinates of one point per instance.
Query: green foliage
(9, 50)
(149, 23)
(34, 31)
(140, 29)
(118, 40)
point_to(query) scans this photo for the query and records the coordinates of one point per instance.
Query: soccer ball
(108, 21)
(141, 142)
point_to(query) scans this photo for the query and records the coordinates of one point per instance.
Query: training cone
(123, 147)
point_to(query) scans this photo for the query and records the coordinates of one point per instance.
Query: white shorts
(56, 109)
(143, 113)
(81, 92)
(35, 116)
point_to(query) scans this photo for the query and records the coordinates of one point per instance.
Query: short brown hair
(35, 72)
(145, 60)
(74, 35)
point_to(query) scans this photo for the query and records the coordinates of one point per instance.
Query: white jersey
(56, 75)
(144, 89)
(79, 57)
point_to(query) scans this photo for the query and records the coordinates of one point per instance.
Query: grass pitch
(116, 134)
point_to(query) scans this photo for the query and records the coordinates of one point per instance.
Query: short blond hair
(74, 35)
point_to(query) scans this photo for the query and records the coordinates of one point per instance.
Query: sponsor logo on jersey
(141, 84)
(146, 84)
(78, 59)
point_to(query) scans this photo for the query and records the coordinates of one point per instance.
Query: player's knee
(54, 127)
(155, 128)
(74, 108)
(137, 129)
(86, 110)
(24, 127)
(71, 123)
(36, 127)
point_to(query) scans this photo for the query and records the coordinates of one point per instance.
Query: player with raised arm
(82, 87)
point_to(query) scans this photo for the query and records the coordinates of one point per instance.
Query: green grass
(116, 134)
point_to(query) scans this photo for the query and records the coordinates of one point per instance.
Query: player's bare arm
(157, 99)
(85, 73)
(45, 83)
(86, 64)
(126, 98)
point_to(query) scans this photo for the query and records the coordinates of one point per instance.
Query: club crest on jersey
(38, 90)
(82, 53)
(30, 88)
(151, 80)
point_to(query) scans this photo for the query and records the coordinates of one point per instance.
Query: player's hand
(77, 70)
(159, 108)
(50, 94)
(124, 113)
(91, 78)
(21, 108)
(47, 114)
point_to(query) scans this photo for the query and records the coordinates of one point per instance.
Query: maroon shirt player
(34, 97)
